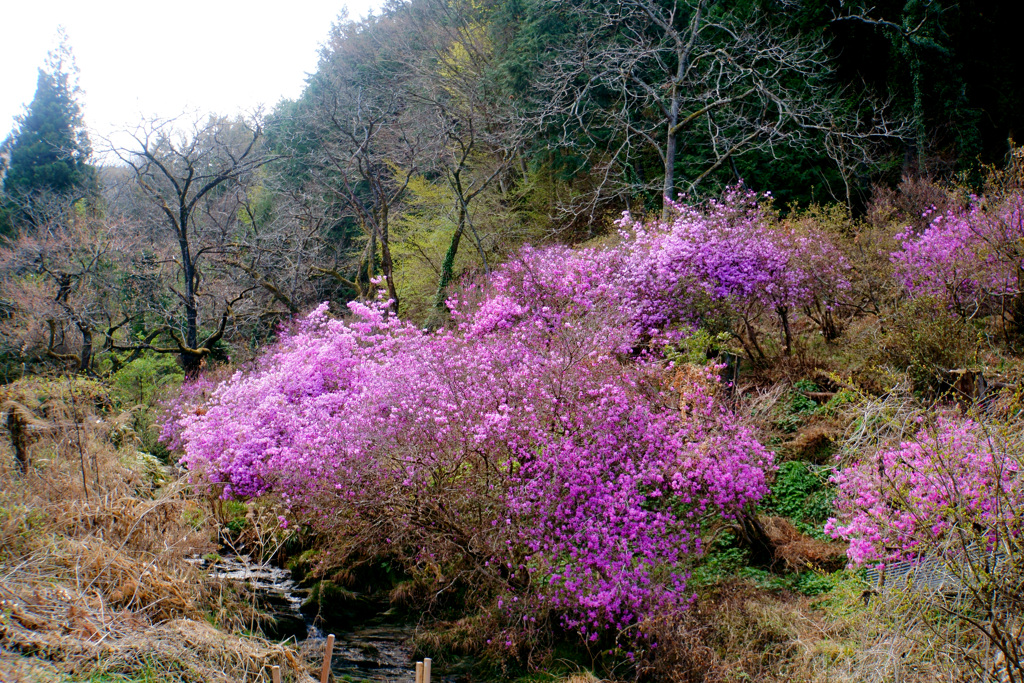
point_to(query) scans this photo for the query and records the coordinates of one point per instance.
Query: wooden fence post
(419, 672)
(275, 672)
(328, 653)
(426, 670)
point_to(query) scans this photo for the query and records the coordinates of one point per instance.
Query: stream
(373, 650)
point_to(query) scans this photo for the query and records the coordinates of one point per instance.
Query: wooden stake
(419, 672)
(275, 672)
(328, 653)
(426, 670)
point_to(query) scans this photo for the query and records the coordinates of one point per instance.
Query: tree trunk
(386, 263)
(668, 191)
(447, 270)
(754, 536)
(787, 334)
(19, 438)
(190, 363)
(85, 358)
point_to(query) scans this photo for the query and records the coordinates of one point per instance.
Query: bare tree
(69, 299)
(358, 147)
(278, 246)
(193, 183)
(399, 98)
(696, 77)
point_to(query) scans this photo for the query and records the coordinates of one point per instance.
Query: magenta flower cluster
(523, 441)
(904, 501)
(730, 257)
(972, 258)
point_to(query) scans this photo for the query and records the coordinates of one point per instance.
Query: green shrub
(801, 492)
(138, 383)
(923, 338)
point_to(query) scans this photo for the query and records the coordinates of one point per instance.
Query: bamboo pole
(419, 672)
(275, 672)
(328, 653)
(426, 669)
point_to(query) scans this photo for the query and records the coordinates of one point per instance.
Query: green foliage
(41, 392)
(812, 583)
(699, 348)
(138, 387)
(234, 516)
(926, 340)
(801, 492)
(723, 558)
(799, 407)
(194, 516)
(139, 382)
(800, 403)
(839, 399)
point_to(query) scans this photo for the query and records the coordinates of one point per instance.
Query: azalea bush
(951, 478)
(972, 258)
(729, 263)
(517, 454)
(944, 508)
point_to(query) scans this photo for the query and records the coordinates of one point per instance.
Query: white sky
(141, 58)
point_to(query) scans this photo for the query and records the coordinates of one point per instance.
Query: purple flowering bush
(972, 258)
(954, 478)
(517, 453)
(947, 505)
(728, 260)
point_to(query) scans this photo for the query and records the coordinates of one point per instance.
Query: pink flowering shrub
(191, 399)
(728, 259)
(943, 513)
(516, 453)
(953, 481)
(971, 258)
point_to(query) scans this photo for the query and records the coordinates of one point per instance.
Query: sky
(144, 58)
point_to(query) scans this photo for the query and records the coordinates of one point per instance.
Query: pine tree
(47, 153)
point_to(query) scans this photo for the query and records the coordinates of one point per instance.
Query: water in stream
(374, 650)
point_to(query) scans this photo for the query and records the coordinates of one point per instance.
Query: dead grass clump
(466, 636)
(684, 651)
(813, 440)
(408, 594)
(196, 651)
(580, 677)
(859, 637)
(756, 632)
(129, 581)
(739, 632)
(15, 668)
(734, 632)
(798, 551)
(75, 634)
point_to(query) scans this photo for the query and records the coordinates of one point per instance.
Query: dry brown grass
(738, 632)
(798, 551)
(94, 538)
(580, 677)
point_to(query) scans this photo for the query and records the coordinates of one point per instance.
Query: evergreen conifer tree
(46, 155)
